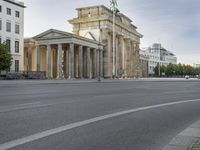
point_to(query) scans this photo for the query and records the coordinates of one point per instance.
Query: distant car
(187, 77)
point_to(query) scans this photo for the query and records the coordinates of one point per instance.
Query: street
(115, 115)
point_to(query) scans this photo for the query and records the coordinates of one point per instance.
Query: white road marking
(50, 132)
(18, 107)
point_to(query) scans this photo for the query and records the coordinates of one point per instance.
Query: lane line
(18, 107)
(50, 132)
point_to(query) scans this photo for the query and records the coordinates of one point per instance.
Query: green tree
(156, 70)
(170, 70)
(162, 69)
(5, 57)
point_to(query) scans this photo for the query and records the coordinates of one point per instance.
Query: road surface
(115, 115)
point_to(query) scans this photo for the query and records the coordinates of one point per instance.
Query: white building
(196, 65)
(157, 54)
(12, 30)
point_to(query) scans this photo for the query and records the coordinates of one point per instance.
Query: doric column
(106, 40)
(37, 58)
(67, 63)
(98, 63)
(29, 59)
(132, 59)
(95, 63)
(110, 55)
(80, 61)
(128, 60)
(71, 61)
(117, 56)
(123, 53)
(135, 60)
(88, 62)
(101, 63)
(59, 62)
(48, 62)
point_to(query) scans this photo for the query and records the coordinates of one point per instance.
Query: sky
(173, 23)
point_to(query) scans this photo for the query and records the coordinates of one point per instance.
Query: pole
(159, 64)
(113, 71)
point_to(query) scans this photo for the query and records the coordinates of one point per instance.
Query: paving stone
(195, 132)
(196, 125)
(195, 144)
(172, 147)
(182, 140)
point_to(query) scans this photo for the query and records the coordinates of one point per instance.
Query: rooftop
(16, 2)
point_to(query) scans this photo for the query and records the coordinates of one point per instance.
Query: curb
(188, 139)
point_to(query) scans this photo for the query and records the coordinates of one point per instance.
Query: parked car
(187, 77)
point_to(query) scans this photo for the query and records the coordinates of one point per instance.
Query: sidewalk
(189, 139)
(76, 81)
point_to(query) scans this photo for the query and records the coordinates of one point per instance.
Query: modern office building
(12, 30)
(157, 54)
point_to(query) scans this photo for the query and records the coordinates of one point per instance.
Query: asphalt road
(117, 115)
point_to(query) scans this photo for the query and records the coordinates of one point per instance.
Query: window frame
(16, 65)
(8, 26)
(17, 29)
(17, 14)
(8, 44)
(16, 46)
(8, 11)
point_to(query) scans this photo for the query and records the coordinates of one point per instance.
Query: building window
(16, 46)
(16, 65)
(16, 28)
(17, 14)
(0, 8)
(8, 11)
(8, 44)
(8, 26)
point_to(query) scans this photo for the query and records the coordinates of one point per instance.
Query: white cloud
(174, 23)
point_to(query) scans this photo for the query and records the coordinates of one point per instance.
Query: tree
(5, 57)
(170, 70)
(162, 69)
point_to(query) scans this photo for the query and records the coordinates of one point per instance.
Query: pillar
(107, 62)
(71, 61)
(95, 63)
(29, 59)
(123, 53)
(88, 62)
(48, 62)
(117, 56)
(101, 63)
(80, 61)
(59, 62)
(37, 58)
(98, 63)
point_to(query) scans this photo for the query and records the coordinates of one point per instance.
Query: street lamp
(115, 10)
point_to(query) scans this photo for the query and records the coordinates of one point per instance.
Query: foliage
(5, 57)
(177, 69)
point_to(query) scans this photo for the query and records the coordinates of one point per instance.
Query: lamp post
(159, 64)
(115, 10)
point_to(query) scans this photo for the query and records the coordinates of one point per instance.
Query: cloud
(174, 23)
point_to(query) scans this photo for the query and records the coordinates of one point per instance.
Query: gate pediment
(53, 34)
